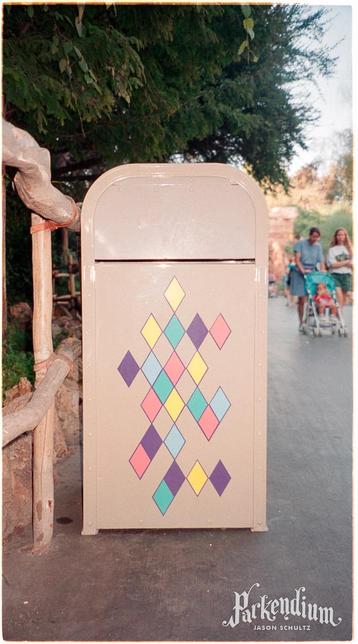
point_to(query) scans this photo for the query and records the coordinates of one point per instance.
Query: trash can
(174, 293)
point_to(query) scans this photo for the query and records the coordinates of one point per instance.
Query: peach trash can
(174, 283)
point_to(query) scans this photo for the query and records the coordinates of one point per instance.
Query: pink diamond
(139, 461)
(208, 422)
(174, 368)
(220, 331)
(151, 404)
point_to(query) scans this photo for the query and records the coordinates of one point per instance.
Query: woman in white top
(339, 262)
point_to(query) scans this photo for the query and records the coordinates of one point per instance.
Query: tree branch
(80, 165)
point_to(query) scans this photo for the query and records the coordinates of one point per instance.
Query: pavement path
(179, 585)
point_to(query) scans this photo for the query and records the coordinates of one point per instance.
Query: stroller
(311, 320)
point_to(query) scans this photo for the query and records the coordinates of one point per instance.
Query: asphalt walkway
(179, 585)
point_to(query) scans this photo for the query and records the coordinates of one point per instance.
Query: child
(324, 300)
(290, 299)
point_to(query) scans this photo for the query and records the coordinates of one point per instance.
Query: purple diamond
(174, 478)
(197, 331)
(220, 478)
(128, 368)
(151, 441)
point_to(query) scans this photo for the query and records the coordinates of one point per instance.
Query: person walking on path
(308, 255)
(339, 262)
(290, 300)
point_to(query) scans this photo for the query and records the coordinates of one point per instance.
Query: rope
(53, 225)
(44, 364)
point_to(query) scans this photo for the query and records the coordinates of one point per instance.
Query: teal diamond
(163, 497)
(162, 387)
(197, 403)
(174, 331)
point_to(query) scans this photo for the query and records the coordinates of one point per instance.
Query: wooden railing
(33, 184)
(29, 417)
(51, 369)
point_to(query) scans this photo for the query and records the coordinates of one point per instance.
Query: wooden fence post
(43, 485)
(65, 245)
(3, 241)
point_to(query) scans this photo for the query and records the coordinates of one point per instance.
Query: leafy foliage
(340, 179)
(339, 219)
(101, 85)
(18, 359)
(105, 84)
(315, 188)
(305, 220)
(327, 224)
(76, 69)
(18, 250)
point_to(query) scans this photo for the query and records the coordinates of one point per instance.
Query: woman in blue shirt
(308, 255)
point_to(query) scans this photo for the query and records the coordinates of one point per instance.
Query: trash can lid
(174, 212)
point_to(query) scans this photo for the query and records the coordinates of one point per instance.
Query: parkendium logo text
(251, 607)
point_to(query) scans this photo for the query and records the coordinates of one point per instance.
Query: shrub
(18, 358)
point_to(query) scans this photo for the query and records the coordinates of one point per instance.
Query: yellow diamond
(174, 293)
(151, 331)
(174, 404)
(197, 367)
(197, 478)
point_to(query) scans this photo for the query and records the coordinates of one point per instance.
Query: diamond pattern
(151, 442)
(197, 331)
(220, 331)
(163, 497)
(139, 461)
(197, 478)
(174, 405)
(174, 368)
(196, 403)
(174, 294)
(151, 368)
(174, 478)
(208, 422)
(163, 392)
(151, 331)
(220, 478)
(220, 404)
(174, 441)
(128, 368)
(163, 387)
(197, 367)
(174, 331)
(151, 405)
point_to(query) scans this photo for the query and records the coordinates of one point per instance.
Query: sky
(332, 96)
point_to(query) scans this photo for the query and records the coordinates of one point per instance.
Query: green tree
(305, 220)
(340, 177)
(339, 219)
(102, 85)
(327, 224)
